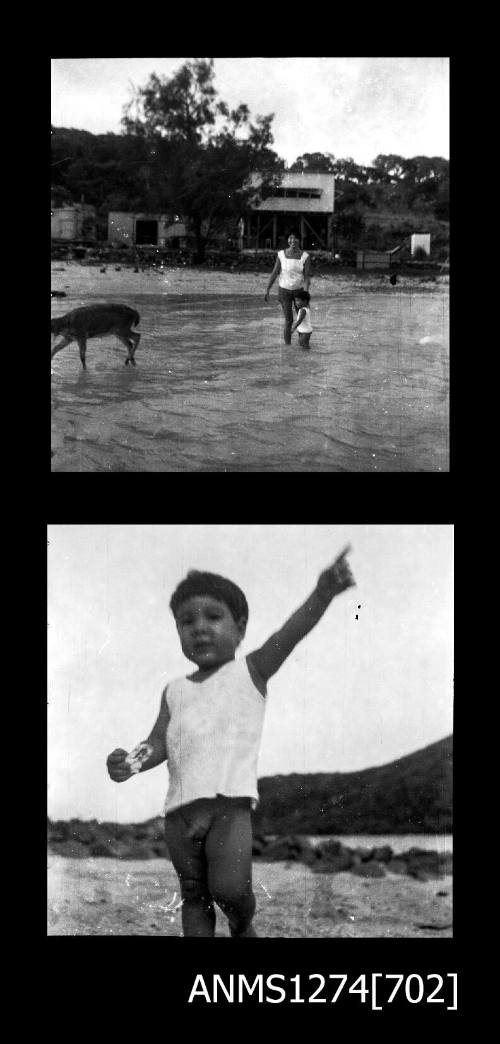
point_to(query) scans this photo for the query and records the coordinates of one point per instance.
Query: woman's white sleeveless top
(213, 736)
(292, 271)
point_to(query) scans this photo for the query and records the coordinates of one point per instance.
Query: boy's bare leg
(198, 913)
(185, 843)
(249, 934)
(229, 855)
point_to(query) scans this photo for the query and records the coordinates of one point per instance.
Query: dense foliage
(184, 152)
(378, 206)
(411, 795)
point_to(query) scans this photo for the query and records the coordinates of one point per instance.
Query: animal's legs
(127, 341)
(62, 344)
(82, 344)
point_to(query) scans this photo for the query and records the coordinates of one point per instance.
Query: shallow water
(215, 389)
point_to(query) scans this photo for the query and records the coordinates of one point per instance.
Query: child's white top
(292, 271)
(305, 325)
(213, 736)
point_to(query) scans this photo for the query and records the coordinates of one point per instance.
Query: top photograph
(250, 265)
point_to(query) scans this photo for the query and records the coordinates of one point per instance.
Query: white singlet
(213, 736)
(292, 271)
(305, 326)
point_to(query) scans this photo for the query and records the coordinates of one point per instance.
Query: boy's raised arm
(332, 581)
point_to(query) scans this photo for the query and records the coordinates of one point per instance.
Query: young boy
(303, 320)
(208, 730)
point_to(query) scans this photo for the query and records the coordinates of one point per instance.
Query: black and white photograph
(250, 264)
(250, 731)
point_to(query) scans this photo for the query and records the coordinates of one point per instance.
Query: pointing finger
(346, 551)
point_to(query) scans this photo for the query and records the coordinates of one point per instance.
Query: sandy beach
(215, 389)
(98, 896)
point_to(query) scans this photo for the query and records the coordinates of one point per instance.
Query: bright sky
(353, 694)
(356, 107)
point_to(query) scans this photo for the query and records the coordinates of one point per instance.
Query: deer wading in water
(100, 320)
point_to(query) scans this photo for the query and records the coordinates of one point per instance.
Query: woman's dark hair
(197, 583)
(303, 295)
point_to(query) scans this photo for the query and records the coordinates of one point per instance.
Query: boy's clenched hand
(337, 577)
(118, 768)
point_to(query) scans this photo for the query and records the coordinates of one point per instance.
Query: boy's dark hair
(304, 295)
(197, 583)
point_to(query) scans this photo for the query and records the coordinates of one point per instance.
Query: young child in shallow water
(303, 321)
(208, 730)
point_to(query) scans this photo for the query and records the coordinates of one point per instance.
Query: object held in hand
(138, 756)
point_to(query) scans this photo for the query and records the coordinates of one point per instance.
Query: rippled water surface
(215, 389)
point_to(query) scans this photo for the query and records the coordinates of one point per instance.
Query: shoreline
(88, 279)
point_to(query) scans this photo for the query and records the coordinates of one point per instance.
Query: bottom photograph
(249, 731)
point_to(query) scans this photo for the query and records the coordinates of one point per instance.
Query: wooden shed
(302, 202)
(141, 229)
(373, 258)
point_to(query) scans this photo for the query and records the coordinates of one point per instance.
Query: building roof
(300, 192)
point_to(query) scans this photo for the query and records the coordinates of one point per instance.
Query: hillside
(410, 795)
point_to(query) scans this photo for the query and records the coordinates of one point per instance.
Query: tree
(325, 162)
(204, 154)
(112, 171)
(348, 170)
(319, 162)
(388, 168)
(442, 203)
(350, 224)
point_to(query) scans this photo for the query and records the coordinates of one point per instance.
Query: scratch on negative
(264, 889)
(170, 905)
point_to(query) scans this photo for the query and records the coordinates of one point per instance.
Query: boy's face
(208, 632)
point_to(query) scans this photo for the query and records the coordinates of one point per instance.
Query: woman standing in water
(293, 266)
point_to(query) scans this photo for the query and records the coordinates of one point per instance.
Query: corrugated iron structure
(373, 259)
(141, 229)
(73, 222)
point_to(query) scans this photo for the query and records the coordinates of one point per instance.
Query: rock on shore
(77, 839)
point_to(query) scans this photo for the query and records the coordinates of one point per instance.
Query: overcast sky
(353, 694)
(357, 107)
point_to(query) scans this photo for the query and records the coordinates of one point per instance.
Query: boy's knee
(238, 899)
(194, 891)
(239, 908)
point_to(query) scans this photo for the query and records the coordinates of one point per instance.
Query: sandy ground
(113, 897)
(88, 279)
(215, 389)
